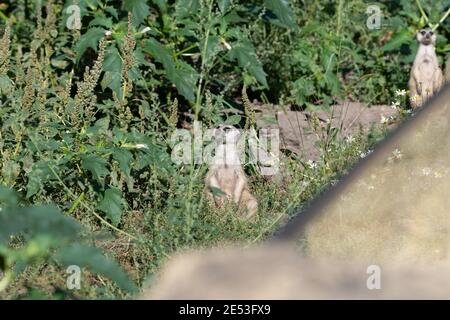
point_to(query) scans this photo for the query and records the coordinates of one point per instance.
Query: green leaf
(233, 120)
(101, 20)
(39, 175)
(184, 79)
(112, 205)
(100, 127)
(283, 12)
(247, 59)
(181, 74)
(213, 42)
(138, 8)
(8, 196)
(88, 40)
(124, 158)
(10, 171)
(160, 53)
(161, 4)
(94, 260)
(402, 37)
(217, 192)
(96, 165)
(223, 5)
(112, 11)
(5, 84)
(185, 8)
(31, 221)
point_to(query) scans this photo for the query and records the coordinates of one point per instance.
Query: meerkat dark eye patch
(431, 33)
(422, 32)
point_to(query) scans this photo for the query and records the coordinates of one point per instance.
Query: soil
(297, 135)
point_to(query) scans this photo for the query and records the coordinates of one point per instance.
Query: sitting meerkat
(426, 76)
(226, 174)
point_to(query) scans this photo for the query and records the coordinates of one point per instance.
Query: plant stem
(204, 59)
(422, 12)
(74, 196)
(442, 19)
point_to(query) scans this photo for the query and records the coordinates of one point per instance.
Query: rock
(296, 131)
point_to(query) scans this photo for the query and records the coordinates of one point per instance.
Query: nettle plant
(85, 114)
(42, 235)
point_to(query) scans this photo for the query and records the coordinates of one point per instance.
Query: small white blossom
(400, 93)
(226, 44)
(383, 120)
(141, 146)
(395, 105)
(108, 33)
(397, 154)
(365, 154)
(426, 171)
(312, 164)
(350, 139)
(145, 30)
(437, 175)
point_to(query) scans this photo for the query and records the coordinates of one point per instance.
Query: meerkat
(226, 174)
(426, 76)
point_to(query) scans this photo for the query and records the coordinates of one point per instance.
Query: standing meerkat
(226, 174)
(426, 76)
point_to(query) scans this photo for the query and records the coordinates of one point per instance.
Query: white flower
(141, 146)
(365, 154)
(312, 164)
(437, 175)
(145, 30)
(397, 154)
(226, 44)
(108, 33)
(426, 171)
(395, 105)
(400, 93)
(383, 120)
(350, 139)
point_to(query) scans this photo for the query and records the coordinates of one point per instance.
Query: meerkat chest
(228, 177)
(426, 61)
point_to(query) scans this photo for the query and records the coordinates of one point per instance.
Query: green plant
(39, 235)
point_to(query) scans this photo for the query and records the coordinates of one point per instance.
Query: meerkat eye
(431, 33)
(422, 32)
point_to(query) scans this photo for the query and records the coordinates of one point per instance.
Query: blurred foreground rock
(390, 214)
(279, 272)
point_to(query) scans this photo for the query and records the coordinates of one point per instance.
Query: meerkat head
(426, 37)
(227, 134)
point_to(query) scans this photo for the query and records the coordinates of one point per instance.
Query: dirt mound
(296, 130)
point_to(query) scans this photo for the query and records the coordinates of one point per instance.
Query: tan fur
(225, 173)
(426, 76)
